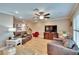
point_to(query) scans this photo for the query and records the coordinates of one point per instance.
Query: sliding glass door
(76, 29)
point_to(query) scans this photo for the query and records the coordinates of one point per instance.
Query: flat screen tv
(51, 28)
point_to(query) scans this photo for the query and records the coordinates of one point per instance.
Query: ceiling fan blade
(46, 17)
(47, 14)
(37, 14)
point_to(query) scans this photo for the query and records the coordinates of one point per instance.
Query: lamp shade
(12, 29)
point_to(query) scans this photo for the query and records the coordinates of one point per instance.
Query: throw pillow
(69, 43)
(75, 47)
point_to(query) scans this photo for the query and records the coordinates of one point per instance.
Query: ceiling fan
(38, 14)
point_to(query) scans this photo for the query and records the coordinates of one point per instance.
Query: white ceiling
(25, 10)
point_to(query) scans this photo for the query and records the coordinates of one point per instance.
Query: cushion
(75, 47)
(69, 43)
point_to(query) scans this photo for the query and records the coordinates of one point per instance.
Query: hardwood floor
(35, 46)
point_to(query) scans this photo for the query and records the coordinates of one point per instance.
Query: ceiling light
(41, 17)
(40, 14)
(16, 12)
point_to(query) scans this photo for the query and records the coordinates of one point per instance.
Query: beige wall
(62, 25)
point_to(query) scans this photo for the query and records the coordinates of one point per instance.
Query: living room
(51, 22)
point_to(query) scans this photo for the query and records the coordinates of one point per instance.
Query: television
(51, 28)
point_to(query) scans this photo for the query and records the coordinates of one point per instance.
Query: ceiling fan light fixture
(40, 14)
(41, 17)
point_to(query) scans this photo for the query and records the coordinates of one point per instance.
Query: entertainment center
(50, 32)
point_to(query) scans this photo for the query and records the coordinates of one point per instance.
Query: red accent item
(36, 34)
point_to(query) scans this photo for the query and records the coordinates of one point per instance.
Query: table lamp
(11, 30)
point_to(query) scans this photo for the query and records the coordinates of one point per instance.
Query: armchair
(36, 34)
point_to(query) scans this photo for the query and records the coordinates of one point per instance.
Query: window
(76, 29)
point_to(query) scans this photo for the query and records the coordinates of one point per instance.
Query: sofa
(26, 38)
(56, 47)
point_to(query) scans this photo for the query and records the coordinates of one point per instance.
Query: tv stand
(50, 35)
